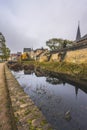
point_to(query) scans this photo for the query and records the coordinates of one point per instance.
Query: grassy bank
(77, 70)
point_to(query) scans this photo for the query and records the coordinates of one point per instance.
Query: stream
(64, 105)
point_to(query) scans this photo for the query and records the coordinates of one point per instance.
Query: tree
(55, 44)
(5, 52)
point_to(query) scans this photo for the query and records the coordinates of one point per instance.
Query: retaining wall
(26, 114)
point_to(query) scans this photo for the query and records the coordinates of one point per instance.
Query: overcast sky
(30, 23)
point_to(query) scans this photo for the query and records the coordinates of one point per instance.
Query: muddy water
(64, 105)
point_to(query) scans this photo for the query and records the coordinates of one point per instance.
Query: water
(55, 99)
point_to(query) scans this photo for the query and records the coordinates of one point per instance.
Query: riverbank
(55, 96)
(75, 70)
(71, 73)
(18, 111)
(75, 74)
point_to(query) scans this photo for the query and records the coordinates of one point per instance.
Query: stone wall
(26, 114)
(77, 56)
(43, 58)
(55, 57)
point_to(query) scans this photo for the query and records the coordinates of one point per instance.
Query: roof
(41, 49)
(84, 37)
(27, 50)
(0, 33)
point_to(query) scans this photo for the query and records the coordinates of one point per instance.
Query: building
(27, 50)
(38, 53)
(78, 35)
(19, 53)
(13, 57)
(81, 40)
(77, 53)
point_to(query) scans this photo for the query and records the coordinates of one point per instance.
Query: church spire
(78, 36)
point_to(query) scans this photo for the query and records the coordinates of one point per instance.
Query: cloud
(29, 23)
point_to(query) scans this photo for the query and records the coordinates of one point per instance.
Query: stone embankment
(72, 56)
(22, 113)
(5, 115)
(77, 56)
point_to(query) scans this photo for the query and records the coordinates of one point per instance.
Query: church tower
(78, 36)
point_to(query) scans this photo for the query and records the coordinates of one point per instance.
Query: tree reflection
(57, 79)
(52, 80)
(39, 74)
(28, 72)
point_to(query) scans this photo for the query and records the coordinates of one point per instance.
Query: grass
(16, 119)
(73, 69)
(43, 122)
(22, 101)
(27, 112)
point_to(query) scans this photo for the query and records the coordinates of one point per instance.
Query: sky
(30, 23)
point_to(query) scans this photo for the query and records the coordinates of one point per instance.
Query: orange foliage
(24, 56)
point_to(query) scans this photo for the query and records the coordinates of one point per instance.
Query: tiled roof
(27, 50)
(84, 37)
(0, 33)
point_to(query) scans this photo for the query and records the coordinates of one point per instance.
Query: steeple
(78, 36)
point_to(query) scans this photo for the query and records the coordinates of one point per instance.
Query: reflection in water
(28, 72)
(53, 80)
(57, 100)
(76, 90)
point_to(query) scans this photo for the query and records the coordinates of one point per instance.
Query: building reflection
(76, 90)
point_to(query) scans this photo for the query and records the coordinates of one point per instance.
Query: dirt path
(4, 111)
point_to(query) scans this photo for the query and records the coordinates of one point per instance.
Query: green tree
(4, 50)
(55, 44)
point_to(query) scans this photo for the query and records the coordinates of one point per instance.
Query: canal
(64, 105)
